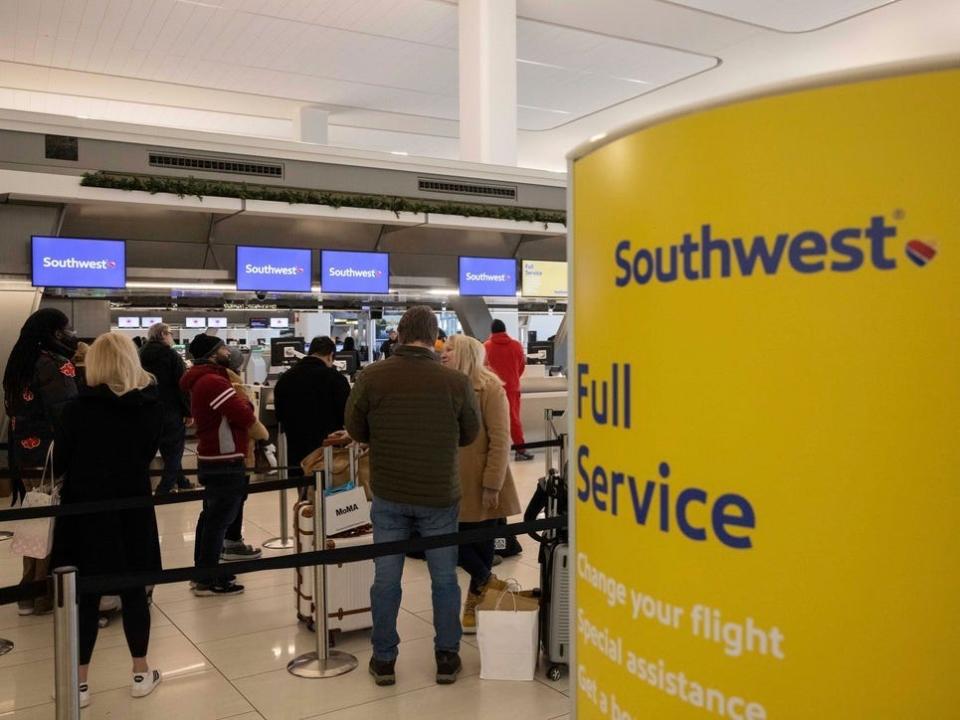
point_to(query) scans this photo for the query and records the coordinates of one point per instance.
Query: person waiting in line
(388, 345)
(441, 342)
(350, 346)
(414, 413)
(39, 380)
(223, 419)
(234, 547)
(310, 399)
(506, 358)
(163, 362)
(103, 448)
(488, 490)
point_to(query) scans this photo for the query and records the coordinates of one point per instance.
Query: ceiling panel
(394, 56)
(786, 15)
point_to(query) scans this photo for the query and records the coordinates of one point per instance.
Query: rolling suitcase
(348, 585)
(550, 498)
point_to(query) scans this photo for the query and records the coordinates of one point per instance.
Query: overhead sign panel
(78, 262)
(273, 269)
(491, 277)
(542, 278)
(355, 272)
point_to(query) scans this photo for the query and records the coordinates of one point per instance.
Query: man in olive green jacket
(414, 413)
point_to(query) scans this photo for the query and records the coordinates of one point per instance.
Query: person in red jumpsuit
(505, 356)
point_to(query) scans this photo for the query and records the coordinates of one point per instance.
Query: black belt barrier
(111, 584)
(101, 506)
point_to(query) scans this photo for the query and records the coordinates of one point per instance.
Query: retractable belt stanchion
(66, 643)
(284, 542)
(324, 662)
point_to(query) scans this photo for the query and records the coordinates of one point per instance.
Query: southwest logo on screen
(709, 256)
(350, 272)
(73, 263)
(488, 277)
(268, 269)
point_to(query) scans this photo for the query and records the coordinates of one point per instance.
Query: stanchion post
(547, 435)
(284, 542)
(324, 662)
(66, 644)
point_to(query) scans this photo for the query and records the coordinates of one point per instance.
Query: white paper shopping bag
(346, 510)
(508, 636)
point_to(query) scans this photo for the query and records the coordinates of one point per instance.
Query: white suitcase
(348, 586)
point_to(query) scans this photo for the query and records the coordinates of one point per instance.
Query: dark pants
(219, 510)
(136, 622)
(477, 558)
(173, 437)
(235, 531)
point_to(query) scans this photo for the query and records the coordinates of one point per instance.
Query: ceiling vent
(215, 165)
(454, 187)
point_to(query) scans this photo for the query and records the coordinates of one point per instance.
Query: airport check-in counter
(539, 392)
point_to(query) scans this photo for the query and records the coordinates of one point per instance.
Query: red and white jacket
(223, 418)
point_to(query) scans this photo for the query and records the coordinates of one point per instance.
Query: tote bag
(34, 538)
(508, 637)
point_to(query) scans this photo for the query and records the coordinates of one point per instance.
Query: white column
(310, 125)
(488, 81)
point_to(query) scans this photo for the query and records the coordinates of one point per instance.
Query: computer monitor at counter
(278, 354)
(540, 353)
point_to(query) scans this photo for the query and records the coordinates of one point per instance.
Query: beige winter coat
(485, 463)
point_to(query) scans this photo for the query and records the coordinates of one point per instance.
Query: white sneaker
(144, 683)
(84, 695)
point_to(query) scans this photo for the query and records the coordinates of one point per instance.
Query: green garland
(194, 187)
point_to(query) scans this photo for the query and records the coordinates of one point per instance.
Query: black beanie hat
(203, 346)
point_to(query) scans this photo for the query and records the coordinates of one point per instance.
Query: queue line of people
(439, 437)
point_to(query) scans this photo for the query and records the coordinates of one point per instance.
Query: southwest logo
(350, 272)
(72, 263)
(845, 249)
(920, 252)
(251, 269)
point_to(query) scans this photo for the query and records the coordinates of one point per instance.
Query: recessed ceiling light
(598, 136)
(399, 152)
(543, 109)
(201, 4)
(540, 64)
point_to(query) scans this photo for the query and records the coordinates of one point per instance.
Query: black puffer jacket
(165, 364)
(36, 414)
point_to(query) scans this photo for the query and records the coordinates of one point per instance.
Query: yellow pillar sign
(765, 470)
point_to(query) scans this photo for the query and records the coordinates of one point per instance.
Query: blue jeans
(394, 521)
(219, 511)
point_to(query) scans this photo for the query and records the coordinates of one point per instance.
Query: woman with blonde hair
(487, 485)
(103, 448)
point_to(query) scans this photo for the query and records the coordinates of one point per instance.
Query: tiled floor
(227, 657)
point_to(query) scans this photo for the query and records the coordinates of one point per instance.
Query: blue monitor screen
(494, 277)
(79, 263)
(354, 272)
(274, 269)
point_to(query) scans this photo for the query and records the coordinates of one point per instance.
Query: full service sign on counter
(766, 470)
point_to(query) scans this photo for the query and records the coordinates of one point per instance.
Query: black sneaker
(383, 672)
(448, 667)
(219, 589)
(522, 457)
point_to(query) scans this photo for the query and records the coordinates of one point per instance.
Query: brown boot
(495, 583)
(469, 621)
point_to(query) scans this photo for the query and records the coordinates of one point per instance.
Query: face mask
(68, 341)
